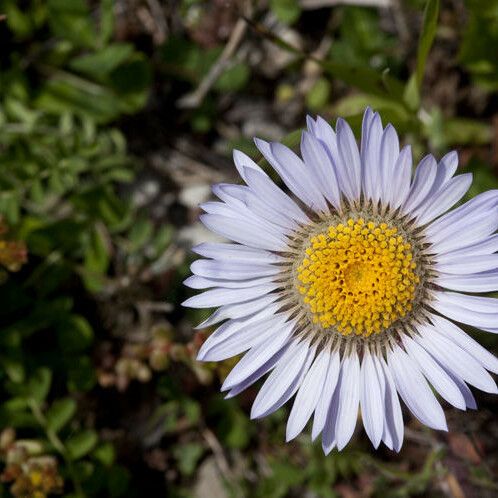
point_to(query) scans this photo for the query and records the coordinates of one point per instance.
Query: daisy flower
(346, 288)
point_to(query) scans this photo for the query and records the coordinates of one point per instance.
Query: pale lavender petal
(371, 179)
(415, 391)
(464, 214)
(230, 341)
(401, 177)
(439, 379)
(319, 164)
(475, 282)
(240, 310)
(486, 246)
(243, 162)
(263, 370)
(195, 282)
(324, 401)
(446, 197)
(244, 232)
(235, 252)
(284, 381)
(228, 270)
(455, 359)
(308, 395)
(260, 207)
(488, 360)
(218, 297)
(394, 427)
(349, 398)
(371, 400)
(257, 356)
(464, 315)
(425, 173)
(350, 157)
(389, 152)
(264, 187)
(465, 265)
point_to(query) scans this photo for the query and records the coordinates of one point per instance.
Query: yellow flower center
(358, 277)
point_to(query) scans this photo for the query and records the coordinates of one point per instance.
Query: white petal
(402, 175)
(394, 427)
(258, 356)
(217, 297)
(371, 400)
(228, 270)
(241, 213)
(464, 389)
(455, 359)
(259, 206)
(446, 197)
(232, 339)
(285, 380)
(476, 282)
(262, 304)
(449, 164)
(329, 385)
(486, 246)
(349, 398)
(415, 391)
(329, 440)
(319, 164)
(389, 152)
(436, 375)
(443, 175)
(464, 315)
(264, 187)
(244, 232)
(464, 265)
(371, 179)
(488, 360)
(243, 162)
(474, 208)
(469, 230)
(255, 376)
(425, 173)
(350, 158)
(292, 171)
(195, 282)
(235, 252)
(474, 303)
(308, 395)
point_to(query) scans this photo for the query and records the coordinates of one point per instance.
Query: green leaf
(318, 95)
(140, 234)
(234, 78)
(39, 384)
(81, 374)
(72, 20)
(96, 258)
(81, 444)
(100, 64)
(187, 456)
(286, 11)
(60, 413)
(105, 454)
(13, 368)
(118, 481)
(106, 20)
(429, 27)
(74, 334)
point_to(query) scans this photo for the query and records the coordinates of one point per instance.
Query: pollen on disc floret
(358, 277)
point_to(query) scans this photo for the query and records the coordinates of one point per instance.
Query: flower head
(347, 288)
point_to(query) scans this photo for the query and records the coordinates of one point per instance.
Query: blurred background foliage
(115, 118)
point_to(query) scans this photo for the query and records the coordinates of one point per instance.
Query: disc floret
(358, 277)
